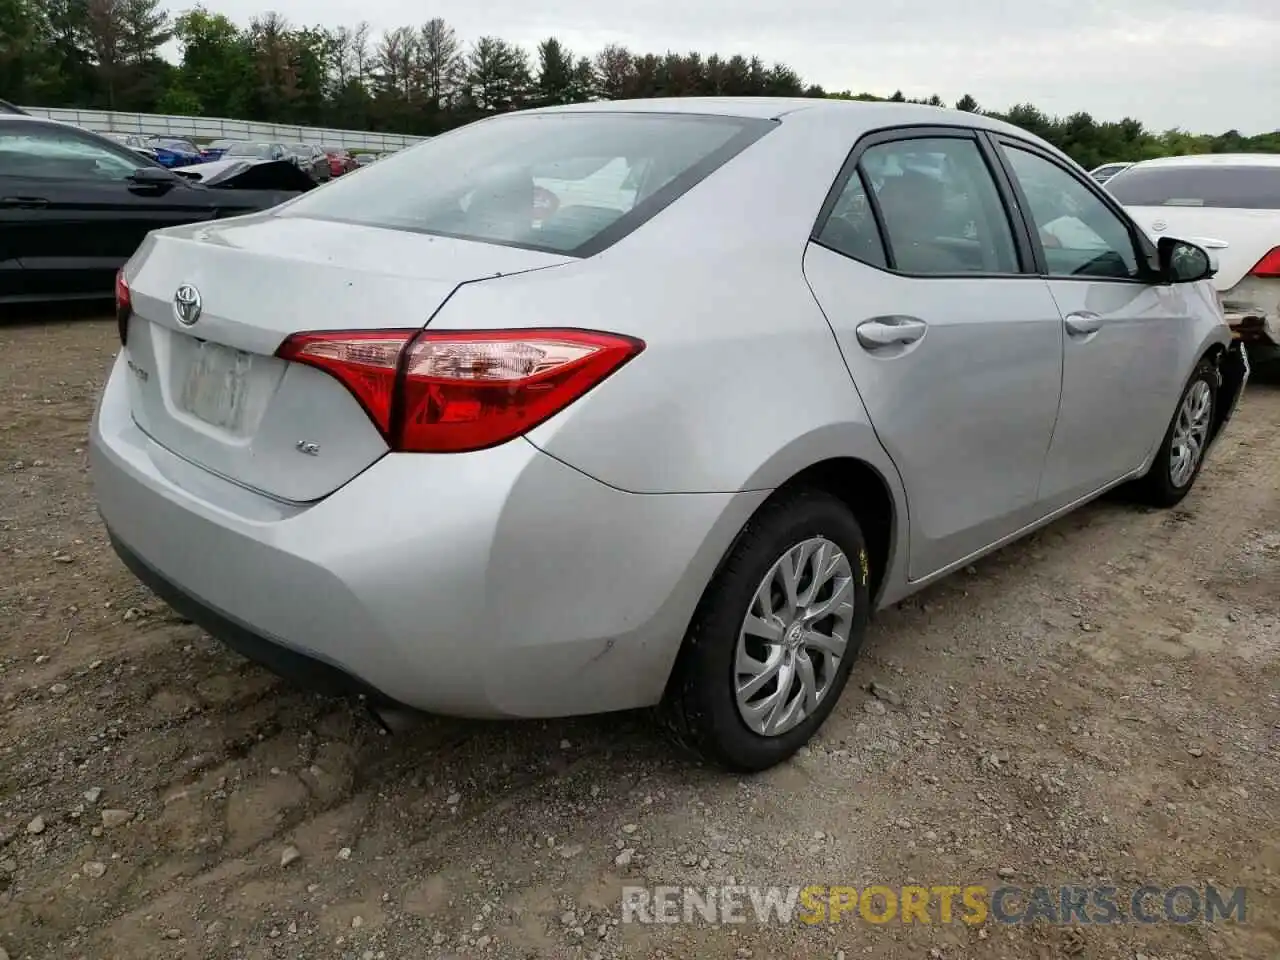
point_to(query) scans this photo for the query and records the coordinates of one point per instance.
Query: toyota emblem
(186, 305)
(1159, 225)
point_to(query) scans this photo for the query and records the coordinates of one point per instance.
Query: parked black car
(75, 205)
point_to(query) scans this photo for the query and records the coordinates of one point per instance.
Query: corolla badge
(187, 305)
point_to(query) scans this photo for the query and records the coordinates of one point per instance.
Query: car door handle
(890, 331)
(1082, 324)
(23, 203)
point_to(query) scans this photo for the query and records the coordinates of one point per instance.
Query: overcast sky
(1204, 65)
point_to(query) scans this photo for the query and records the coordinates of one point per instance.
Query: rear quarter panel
(741, 383)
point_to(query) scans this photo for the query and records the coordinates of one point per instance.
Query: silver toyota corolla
(631, 404)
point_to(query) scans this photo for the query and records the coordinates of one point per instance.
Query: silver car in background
(641, 404)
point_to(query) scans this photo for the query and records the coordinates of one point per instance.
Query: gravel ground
(1098, 704)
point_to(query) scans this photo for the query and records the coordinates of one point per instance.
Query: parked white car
(1230, 205)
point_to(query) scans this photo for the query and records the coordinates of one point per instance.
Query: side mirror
(153, 177)
(1184, 262)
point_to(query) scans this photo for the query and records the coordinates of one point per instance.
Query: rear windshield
(560, 182)
(1239, 187)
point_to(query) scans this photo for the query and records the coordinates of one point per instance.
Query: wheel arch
(863, 489)
(876, 503)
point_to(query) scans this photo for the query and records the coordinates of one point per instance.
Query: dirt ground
(1097, 704)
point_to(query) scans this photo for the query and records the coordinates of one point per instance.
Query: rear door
(77, 217)
(1124, 335)
(954, 345)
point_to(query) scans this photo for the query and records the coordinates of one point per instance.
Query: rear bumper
(306, 670)
(499, 583)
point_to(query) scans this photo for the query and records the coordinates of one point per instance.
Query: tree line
(422, 80)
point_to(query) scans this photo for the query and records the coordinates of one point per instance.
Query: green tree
(217, 67)
(497, 76)
(418, 80)
(440, 64)
(555, 82)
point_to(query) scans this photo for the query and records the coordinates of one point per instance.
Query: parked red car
(340, 160)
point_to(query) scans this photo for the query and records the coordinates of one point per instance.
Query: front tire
(773, 641)
(1181, 455)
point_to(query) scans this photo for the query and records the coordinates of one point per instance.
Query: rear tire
(1181, 455)
(751, 652)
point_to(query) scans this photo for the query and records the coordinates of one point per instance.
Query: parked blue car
(215, 150)
(175, 153)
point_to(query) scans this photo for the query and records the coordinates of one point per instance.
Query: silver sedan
(645, 404)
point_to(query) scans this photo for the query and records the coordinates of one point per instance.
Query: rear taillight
(124, 306)
(1268, 266)
(452, 391)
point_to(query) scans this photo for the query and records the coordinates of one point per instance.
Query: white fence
(218, 128)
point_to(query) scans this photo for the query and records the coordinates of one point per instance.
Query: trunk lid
(214, 393)
(1247, 234)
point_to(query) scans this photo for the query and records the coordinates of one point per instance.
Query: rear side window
(851, 227)
(562, 182)
(939, 207)
(1238, 187)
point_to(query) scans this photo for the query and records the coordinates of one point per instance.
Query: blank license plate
(217, 386)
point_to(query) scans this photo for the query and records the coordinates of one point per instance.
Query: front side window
(55, 154)
(552, 182)
(940, 208)
(1081, 235)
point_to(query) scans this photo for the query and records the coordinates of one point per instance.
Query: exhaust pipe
(393, 719)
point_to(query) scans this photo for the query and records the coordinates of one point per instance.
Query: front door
(954, 346)
(1122, 332)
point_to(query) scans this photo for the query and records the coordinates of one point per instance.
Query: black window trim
(1144, 249)
(874, 138)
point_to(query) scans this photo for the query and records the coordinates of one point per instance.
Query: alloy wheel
(1190, 433)
(794, 637)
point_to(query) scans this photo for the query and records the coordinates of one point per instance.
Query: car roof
(1213, 160)
(767, 108)
(849, 114)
